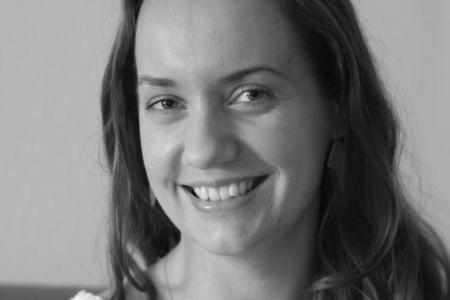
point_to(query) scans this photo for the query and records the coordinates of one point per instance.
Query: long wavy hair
(370, 244)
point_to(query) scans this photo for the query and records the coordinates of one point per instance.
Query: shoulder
(155, 272)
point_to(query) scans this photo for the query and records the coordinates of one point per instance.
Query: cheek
(296, 148)
(160, 168)
(157, 154)
(294, 141)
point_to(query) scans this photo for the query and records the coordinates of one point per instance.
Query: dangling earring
(152, 199)
(336, 159)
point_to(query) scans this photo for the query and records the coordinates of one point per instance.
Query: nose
(209, 141)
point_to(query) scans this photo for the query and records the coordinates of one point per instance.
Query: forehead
(195, 34)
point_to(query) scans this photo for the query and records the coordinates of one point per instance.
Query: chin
(228, 246)
(232, 238)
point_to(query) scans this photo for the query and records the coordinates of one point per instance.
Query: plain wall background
(53, 189)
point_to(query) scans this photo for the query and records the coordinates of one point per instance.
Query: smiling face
(233, 127)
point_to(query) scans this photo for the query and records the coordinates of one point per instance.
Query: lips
(225, 191)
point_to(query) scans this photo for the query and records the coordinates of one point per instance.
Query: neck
(278, 269)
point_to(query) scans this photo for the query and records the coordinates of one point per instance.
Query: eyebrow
(162, 82)
(238, 75)
(233, 77)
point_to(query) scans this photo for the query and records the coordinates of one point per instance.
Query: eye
(250, 95)
(164, 105)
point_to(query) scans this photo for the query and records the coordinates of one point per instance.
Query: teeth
(224, 192)
(204, 193)
(201, 192)
(233, 190)
(242, 187)
(213, 194)
(249, 185)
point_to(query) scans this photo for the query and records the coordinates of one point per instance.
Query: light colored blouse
(83, 295)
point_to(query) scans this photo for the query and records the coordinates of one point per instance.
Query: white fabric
(83, 295)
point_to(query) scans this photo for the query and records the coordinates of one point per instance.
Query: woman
(253, 155)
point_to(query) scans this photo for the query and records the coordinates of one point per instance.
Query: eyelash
(252, 88)
(241, 91)
(152, 103)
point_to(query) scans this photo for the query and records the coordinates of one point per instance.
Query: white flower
(83, 295)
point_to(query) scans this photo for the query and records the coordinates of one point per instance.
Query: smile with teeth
(225, 192)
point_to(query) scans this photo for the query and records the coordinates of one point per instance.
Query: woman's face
(233, 126)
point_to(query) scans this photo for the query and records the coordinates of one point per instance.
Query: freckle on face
(196, 44)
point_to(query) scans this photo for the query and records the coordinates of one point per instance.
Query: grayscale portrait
(224, 149)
